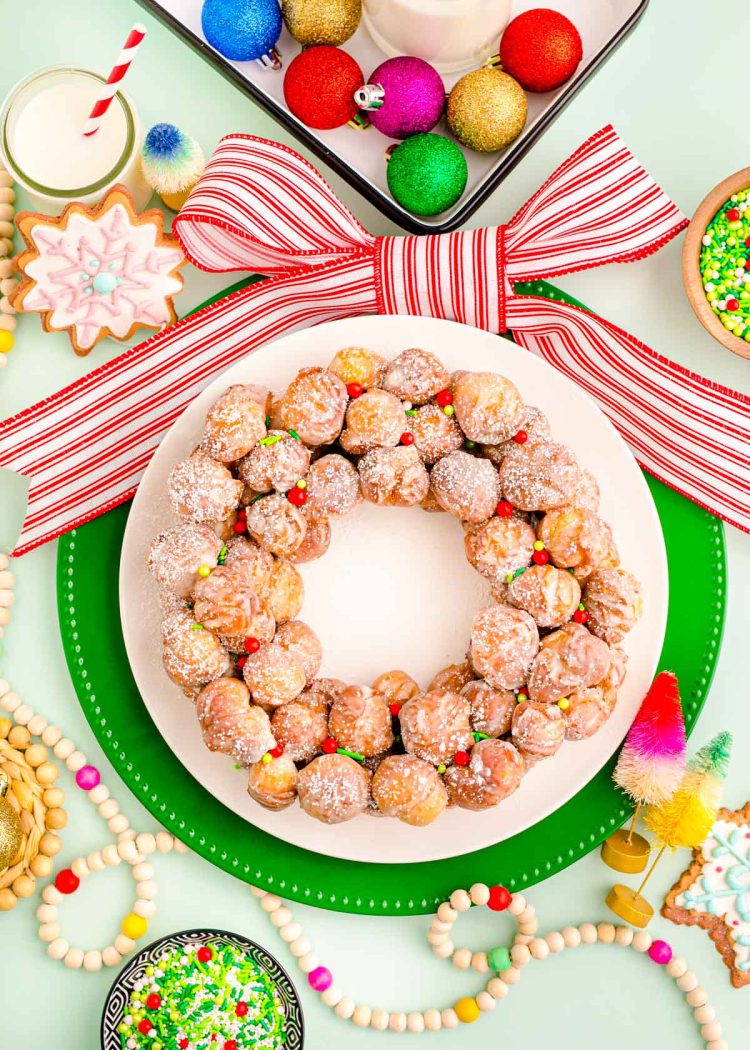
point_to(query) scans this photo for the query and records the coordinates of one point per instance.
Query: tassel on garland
(650, 768)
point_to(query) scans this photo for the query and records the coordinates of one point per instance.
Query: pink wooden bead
(319, 979)
(660, 952)
(88, 777)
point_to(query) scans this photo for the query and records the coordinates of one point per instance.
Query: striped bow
(261, 207)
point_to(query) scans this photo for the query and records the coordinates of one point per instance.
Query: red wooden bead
(504, 509)
(145, 1026)
(394, 709)
(204, 954)
(252, 645)
(581, 616)
(461, 758)
(407, 438)
(540, 557)
(499, 898)
(153, 1001)
(355, 390)
(330, 746)
(297, 496)
(241, 661)
(277, 752)
(445, 397)
(732, 303)
(241, 1009)
(240, 526)
(733, 214)
(521, 437)
(66, 881)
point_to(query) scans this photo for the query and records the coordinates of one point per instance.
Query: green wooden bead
(498, 959)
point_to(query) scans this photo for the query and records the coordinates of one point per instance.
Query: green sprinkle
(294, 434)
(350, 754)
(223, 555)
(480, 736)
(196, 627)
(519, 572)
(268, 421)
(411, 412)
(471, 445)
(271, 439)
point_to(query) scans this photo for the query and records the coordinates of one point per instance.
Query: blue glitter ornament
(243, 30)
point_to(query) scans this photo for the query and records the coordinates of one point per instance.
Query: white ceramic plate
(395, 591)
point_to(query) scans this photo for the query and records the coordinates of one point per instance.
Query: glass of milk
(453, 35)
(44, 148)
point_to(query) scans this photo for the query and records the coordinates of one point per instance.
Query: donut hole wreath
(265, 491)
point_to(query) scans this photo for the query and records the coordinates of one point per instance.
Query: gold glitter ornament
(321, 21)
(486, 110)
(10, 827)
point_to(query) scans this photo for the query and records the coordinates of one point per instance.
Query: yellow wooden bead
(134, 926)
(467, 1010)
(5, 727)
(6, 341)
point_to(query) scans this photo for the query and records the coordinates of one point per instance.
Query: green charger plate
(87, 591)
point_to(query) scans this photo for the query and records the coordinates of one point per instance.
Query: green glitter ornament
(427, 174)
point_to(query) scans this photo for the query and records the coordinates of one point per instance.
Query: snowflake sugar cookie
(100, 271)
(715, 891)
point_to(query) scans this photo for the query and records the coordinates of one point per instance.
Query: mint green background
(664, 91)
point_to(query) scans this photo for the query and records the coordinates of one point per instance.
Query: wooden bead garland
(130, 847)
(7, 597)
(8, 280)
(527, 948)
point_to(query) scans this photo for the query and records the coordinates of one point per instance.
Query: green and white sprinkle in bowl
(203, 990)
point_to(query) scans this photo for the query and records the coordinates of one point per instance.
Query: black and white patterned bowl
(119, 993)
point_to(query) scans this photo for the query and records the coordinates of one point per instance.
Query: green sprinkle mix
(294, 434)
(725, 265)
(199, 1002)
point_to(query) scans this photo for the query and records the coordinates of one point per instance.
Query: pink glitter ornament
(88, 777)
(660, 953)
(319, 979)
(404, 96)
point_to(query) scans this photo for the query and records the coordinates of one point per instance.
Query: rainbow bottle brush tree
(682, 798)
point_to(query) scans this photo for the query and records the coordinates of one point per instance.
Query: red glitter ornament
(355, 390)
(319, 87)
(204, 954)
(66, 882)
(504, 509)
(499, 898)
(407, 438)
(521, 437)
(394, 709)
(461, 758)
(153, 1001)
(297, 496)
(252, 645)
(330, 746)
(733, 214)
(540, 557)
(581, 616)
(541, 49)
(241, 1009)
(144, 1026)
(445, 397)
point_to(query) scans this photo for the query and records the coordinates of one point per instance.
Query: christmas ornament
(243, 30)
(10, 827)
(264, 208)
(426, 174)
(682, 820)
(541, 49)
(649, 769)
(404, 96)
(172, 163)
(321, 21)
(486, 110)
(319, 87)
(714, 892)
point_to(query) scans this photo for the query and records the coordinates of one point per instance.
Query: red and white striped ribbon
(121, 66)
(260, 206)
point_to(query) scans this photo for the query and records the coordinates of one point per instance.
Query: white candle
(453, 35)
(46, 151)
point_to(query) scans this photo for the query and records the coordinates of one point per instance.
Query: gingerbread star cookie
(96, 272)
(715, 891)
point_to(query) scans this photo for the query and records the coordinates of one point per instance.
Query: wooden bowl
(691, 250)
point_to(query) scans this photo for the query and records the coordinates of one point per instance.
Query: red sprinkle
(241, 1009)
(252, 645)
(145, 1026)
(445, 397)
(153, 1001)
(733, 214)
(66, 881)
(461, 758)
(231, 1044)
(581, 616)
(504, 509)
(733, 304)
(296, 496)
(240, 526)
(277, 752)
(355, 390)
(204, 954)
(184, 1044)
(521, 437)
(499, 898)
(394, 709)
(330, 746)
(540, 557)
(241, 661)
(407, 438)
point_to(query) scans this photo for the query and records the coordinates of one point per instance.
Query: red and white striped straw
(122, 65)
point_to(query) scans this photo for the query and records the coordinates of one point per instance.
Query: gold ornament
(321, 21)
(486, 110)
(10, 827)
